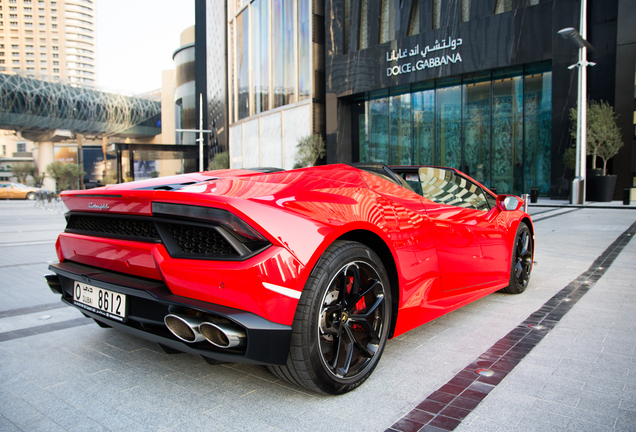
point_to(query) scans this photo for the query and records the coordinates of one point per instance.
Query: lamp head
(572, 35)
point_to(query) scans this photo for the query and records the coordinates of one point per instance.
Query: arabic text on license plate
(100, 301)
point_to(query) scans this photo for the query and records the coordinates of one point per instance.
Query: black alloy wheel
(342, 321)
(351, 320)
(521, 265)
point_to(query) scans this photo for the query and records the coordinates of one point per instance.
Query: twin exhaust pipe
(194, 329)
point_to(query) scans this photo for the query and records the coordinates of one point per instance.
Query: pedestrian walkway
(60, 372)
(547, 202)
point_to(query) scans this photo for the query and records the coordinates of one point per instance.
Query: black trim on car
(187, 239)
(149, 301)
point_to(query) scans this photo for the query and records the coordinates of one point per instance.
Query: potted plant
(603, 140)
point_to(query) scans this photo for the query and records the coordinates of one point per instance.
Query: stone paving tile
(623, 425)
(88, 426)
(105, 415)
(44, 425)
(148, 390)
(598, 385)
(61, 413)
(19, 412)
(6, 425)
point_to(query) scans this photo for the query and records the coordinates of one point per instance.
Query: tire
(521, 263)
(30, 196)
(341, 323)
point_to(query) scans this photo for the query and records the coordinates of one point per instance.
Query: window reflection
(242, 60)
(347, 24)
(400, 130)
(378, 148)
(495, 126)
(271, 55)
(476, 130)
(503, 6)
(304, 49)
(260, 55)
(283, 52)
(424, 127)
(414, 23)
(448, 116)
(507, 134)
(537, 100)
(465, 10)
(363, 39)
(437, 13)
(388, 15)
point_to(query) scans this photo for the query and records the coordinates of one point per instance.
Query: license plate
(100, 301)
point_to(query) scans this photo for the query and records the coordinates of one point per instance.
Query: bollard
(626, 196)
(525, 198)
(534, 195)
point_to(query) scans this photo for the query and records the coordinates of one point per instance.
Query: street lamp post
(578, 40)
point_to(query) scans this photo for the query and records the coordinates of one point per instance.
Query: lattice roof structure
(33, 104)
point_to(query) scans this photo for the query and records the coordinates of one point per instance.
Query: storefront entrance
(495, 126)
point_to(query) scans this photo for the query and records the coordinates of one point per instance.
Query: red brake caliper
(358, 307)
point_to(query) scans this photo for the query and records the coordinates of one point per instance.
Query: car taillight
(242, 231)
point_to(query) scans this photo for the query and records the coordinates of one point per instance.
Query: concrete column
(46, 155)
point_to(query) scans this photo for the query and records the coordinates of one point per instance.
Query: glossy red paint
(445, 256)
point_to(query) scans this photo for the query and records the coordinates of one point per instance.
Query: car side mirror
(508, 202)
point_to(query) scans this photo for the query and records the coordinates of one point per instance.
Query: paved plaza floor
(562, 353)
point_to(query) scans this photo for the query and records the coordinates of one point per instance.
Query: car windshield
(446, 187)
(385, 173)
(18, 185)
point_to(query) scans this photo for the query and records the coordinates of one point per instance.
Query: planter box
(604, 188)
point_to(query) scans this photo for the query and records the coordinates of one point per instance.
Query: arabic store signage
(420, 59)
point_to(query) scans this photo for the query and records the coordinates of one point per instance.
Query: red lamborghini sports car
(307, 271)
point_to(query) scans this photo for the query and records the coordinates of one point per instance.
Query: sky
(136, 40)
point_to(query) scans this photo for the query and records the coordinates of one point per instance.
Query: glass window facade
(503, 6)
(304, 49)
(260, 54)
(242, 62)
(271, 61)
(414, 23)
(363, 37)
(495, 126)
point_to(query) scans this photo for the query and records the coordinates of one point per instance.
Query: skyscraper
(54, 38)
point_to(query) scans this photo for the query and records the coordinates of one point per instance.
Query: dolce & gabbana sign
(425, 62)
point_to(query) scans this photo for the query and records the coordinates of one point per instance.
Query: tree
(22, 170)
(569, 157)
(220, 161)
(66, 175)
(311, 149)
(603, 136)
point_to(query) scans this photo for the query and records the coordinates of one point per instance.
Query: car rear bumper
(150, 301)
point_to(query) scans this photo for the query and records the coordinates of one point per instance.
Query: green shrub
(66, 175)
(311, 149)
(220, 161)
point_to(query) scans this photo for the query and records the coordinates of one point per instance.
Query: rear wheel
(341, 322)
(521, 265)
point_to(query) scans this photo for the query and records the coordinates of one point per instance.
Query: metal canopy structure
(32, 104)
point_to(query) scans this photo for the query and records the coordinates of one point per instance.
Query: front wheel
(521, 264)
(341, 323)
(30, 196)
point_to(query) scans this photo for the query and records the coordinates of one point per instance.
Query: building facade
(479, 85)
(54, 38)
(185, 99)
(274, 78)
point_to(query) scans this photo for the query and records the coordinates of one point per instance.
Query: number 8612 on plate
(101, 301)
